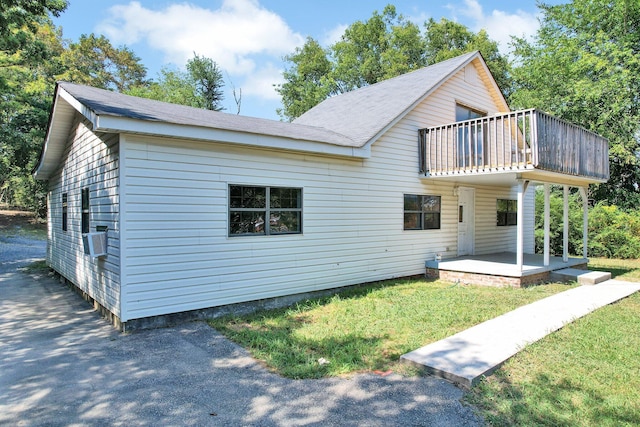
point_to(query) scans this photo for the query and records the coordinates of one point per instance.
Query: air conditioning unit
(95, 244)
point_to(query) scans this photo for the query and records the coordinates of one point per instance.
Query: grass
(586, 374)
(369, 327)
(621, 269)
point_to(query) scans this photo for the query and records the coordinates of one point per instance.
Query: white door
(466, 221)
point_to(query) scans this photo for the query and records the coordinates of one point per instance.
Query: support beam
(522, 190)
(585, 221)
(547, 225)
(565, 223)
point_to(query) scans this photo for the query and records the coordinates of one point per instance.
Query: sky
(249, 38)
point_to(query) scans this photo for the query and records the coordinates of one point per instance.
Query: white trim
(122, 224)
(163, 129)
(565, 223)
(547, 222)
(585, 221)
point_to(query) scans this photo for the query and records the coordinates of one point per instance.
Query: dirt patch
(11, 219)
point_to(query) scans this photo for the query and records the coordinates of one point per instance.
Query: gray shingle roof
(106, 103)
(362, 114)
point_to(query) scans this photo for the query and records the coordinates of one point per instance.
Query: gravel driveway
(61, 364)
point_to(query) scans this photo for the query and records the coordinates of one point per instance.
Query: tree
(208, 81)
(584, 66)
(384, 46)
(307, 81)
(200, 86)
(447, 39)
(28, 42)
(95, 62)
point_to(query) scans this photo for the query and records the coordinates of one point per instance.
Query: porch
(521, 149)
(501, 269)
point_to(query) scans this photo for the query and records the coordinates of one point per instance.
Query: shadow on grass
(545, 401)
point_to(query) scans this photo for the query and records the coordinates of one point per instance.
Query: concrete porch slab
(465, 357)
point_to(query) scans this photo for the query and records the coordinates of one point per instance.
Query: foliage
(200, 86)
(369, 327)
(585, 374)
(26, 101)
(93, 61)
(447, 39)
(584, 66)
(384, 46)
(613, 232)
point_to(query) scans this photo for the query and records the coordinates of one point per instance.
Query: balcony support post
(565, 223)
(585, 221)
(547, 221)
(522, 190)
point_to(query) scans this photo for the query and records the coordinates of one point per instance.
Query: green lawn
(586, 374)
(369, 327)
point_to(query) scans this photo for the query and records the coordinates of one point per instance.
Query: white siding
(175, 213)
(91, 161)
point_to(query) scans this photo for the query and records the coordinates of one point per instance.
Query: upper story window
(250, 205)
(507, 212)
(85, 211)
(471, 144)
(421, 212)
(65, 211)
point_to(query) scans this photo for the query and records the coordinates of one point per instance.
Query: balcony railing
(516, 141)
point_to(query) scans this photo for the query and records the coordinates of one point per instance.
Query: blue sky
(248, 38)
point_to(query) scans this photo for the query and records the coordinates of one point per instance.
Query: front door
(466, 221)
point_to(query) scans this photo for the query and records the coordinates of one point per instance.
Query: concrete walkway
(465, 357)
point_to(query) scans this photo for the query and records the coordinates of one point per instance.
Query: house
(204, 209)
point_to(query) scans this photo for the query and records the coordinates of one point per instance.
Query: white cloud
(333, 35)
(500, 25)
(260, 83)
(231, 35)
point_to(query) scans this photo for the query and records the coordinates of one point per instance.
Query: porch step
(465, 357)
(583, 277)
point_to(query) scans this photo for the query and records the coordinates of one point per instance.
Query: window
(249, 206)
(421, 212)
(85, 210)
(471, 144)
(65, 211)
(507, 212)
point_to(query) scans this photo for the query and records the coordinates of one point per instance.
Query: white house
(203, 209)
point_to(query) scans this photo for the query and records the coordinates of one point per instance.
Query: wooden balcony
(523, 142)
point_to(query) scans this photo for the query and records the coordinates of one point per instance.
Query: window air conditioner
(95, 244)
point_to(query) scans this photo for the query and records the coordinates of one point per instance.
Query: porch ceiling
(511, 178)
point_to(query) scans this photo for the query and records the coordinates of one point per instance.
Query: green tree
(29, 45)
(200, 86)
(207, 78)
(447, 39)
(307, 80)
(584, 66)
(95, 62)
(384, 46)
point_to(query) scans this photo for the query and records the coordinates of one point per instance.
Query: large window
(249, 206)
(65, 211)
(471, 144)
(507, 212)
(421, 212)
(85, 211)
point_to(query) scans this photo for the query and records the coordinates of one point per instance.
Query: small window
(507, 212)
(85, 211)
(249, 206)
(421, 212)
(65, 212)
